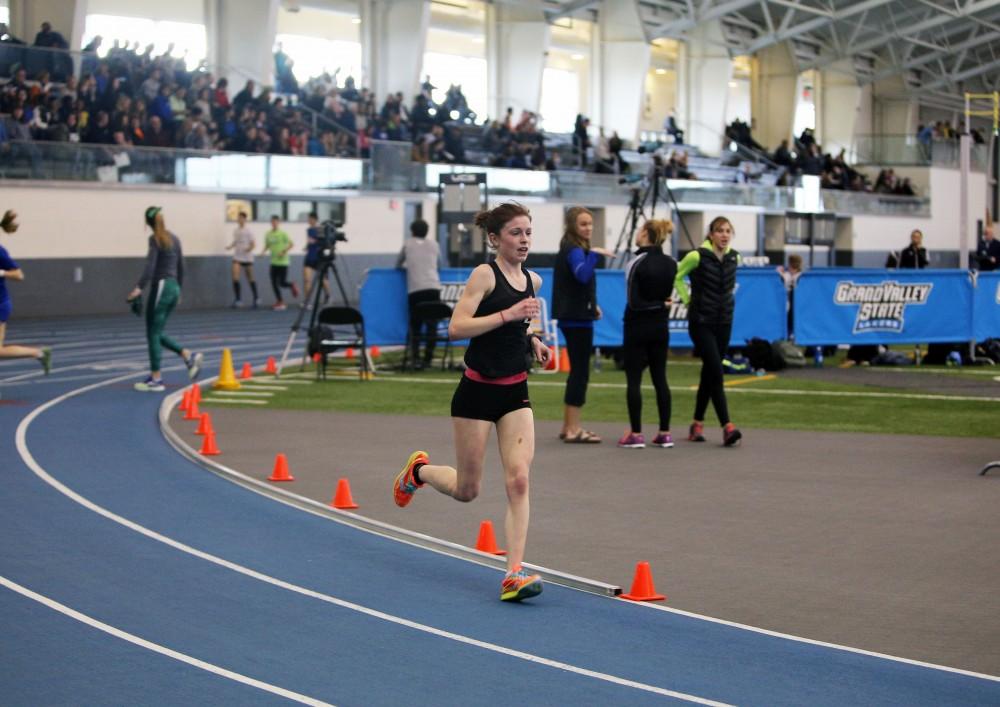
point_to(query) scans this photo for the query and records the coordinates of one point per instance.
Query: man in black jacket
(988, 254)
(914, 256)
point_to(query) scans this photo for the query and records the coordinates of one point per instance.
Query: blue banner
(852, 306)
(760, 305)
(986, 310)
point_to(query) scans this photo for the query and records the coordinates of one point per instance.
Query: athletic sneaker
(279, 307)
(236, 304)
(295, 289)
(46, 359)
(730, 435)
(663, 440)
(150, 385)
(696, 432)
(194, 364)
(405, 485)
(632, 440)
(518, 585)
(256, 303)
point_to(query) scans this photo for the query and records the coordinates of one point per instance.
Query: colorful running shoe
(405, 485)
(46, 360)
(696, 432)
(193, 364)
(632, 440)
(518, 585)
(665, 440)
(730, 435)
(150, 385)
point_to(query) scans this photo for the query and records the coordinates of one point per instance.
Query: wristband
(502, 320)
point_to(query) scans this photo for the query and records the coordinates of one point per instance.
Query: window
(299, 210)
(315, 55)
(264, 209)
(331, 211)
(560, 100)
(188, 39)
(469, 72)
(4, 12)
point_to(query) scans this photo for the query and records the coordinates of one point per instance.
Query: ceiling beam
(816, 23)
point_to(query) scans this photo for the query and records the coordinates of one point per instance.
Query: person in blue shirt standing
(9, 270)
(574, 305)
(312, 264)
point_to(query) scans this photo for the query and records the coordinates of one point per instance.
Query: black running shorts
(487, 401)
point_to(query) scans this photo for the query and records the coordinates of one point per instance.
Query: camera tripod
(311, 303)
(637, 208)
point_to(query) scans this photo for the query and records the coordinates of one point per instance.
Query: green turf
(750, 403)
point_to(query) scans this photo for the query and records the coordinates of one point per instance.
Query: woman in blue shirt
(9, 270)
(574, 305)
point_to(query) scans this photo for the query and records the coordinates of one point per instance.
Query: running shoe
(194, 364)
(696, 432)
(256, 303)
(279, 307)
(632, 440)
(236, 304)
(730, 435)
(665, 440)
(518, 585)
(46, 360)
(405, 485)
(295, 289)
(150, 385)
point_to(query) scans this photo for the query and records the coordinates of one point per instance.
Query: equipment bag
(761, 355)
(788, 354)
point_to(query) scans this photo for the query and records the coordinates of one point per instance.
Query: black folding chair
(429, 327)
(341, 328)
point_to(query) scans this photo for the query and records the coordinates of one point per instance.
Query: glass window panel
(466, 71)
(315, 55)
(188, 39)
(330, 211)
(560, 100)
(299, 210)
(264, 209)
(298, 173)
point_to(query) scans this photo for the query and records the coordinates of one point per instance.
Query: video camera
(330, 232)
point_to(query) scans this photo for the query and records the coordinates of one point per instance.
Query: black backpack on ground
(761, 355)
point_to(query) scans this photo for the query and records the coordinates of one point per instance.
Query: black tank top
(502, 351)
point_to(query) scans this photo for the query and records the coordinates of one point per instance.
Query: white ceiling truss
(934, 50)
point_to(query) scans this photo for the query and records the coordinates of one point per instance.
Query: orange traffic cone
(342, 498)
(247, 371)
(205, 425)
(280, 472)
(317, 358)
(185, 401)
(642, 585)
(227, 376)
(193, 413)
(375, 351)
(195, 393)
(487, 542)
(272, 366)
(552, 364)
(349, 353)
(208, 448)
(563, 361)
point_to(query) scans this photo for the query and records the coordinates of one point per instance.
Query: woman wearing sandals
(574, 305)
(649, 282)
(498, 301)
(712, 268)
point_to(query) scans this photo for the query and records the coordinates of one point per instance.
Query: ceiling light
(356, 20)
(661, 71)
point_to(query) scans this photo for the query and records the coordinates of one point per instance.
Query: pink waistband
(506, 380)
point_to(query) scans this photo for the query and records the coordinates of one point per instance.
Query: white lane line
(156, 647)
(233, 401)
(26, 456)
(244, 393)
(751, 391)
(258, 386)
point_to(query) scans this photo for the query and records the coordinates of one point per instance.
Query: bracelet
(502, 320)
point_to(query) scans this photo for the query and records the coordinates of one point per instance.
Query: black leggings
(579, 342)
(646, 344)
(711, 341)
(279, 279)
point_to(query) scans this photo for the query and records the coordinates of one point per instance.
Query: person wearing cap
(9, 270)
(164, 273)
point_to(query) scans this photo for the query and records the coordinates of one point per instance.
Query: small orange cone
(563, 361)
(227, 376)
(205, 425)
(280, 472)
(375, 351)
(195, 393)
(193, 413)
(487, 542)
(342, 498)
(317, 358)
(208, 448)
(349, 353)
(272, 366)
(185, 401)
(642, 585)
(247, 371)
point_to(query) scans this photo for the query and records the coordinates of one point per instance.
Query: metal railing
(391, 168)
(908, 150)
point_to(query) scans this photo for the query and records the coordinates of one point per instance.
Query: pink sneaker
(665, 440)
(631, 440)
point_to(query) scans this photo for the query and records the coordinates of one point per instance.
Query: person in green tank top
(278, 244)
